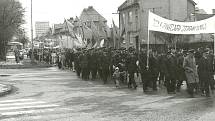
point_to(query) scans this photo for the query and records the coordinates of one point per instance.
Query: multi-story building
(200, 14)
(41, 28)
(134, 18)
(90, 15)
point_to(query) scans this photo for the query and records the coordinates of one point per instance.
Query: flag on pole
(95, 37)
(107, 30)
(102, 43)
(115, 34)
(95, 30)
(95, 45)
(69, 28)
(102, 30)
(87, 32)
(115, 30)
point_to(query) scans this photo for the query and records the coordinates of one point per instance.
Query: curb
(23, 66)
(5, 89)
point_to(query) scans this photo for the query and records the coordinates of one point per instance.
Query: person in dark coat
(105, 63)
(131, 68)
(84, 65)
(210, 56)
(161, 66)
(181, 75)
(143, 70)
(205, 74)
(58, 61)
(71, 59)
(153, 70)
(99, 64)
(17, 55)
(171, 73)
(93, 63)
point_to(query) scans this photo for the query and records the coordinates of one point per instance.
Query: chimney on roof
(90, 7)
(213, 11)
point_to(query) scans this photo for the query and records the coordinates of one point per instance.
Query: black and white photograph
(107, 60)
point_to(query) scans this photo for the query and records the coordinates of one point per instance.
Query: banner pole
(214, 44)
(147, 66)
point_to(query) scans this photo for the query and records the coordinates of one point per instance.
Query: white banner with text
(157, 23)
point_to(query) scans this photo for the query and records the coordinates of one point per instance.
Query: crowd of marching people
(170, 69)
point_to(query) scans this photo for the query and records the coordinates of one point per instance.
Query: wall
(179, 10)
(132, 27)
(161, 8)
(190, 10)
(172, 9)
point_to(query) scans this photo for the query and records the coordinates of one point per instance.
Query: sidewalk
(26, 63)
(5, 89)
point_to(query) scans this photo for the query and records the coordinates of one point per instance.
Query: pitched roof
(127, 4)
(123, 5)
(203, 16)
(194, 3)
(90, 14)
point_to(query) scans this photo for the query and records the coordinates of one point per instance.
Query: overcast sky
(55, 11)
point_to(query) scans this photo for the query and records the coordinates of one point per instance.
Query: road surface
(54, 95)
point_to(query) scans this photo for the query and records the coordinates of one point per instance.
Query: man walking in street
(132, 68)
(143, 70)
(171, 73)
(191, 72)
(205, 74)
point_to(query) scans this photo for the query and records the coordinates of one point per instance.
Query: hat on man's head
(205, 51)
(117, 68)
(184, 51)
(191, 51)
(169, 52)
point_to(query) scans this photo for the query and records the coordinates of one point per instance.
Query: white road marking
(16, 100)
(12, 113)
(27, 107)
(24, 103)
(26, 112)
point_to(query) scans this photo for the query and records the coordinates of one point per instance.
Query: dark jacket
(204, 69)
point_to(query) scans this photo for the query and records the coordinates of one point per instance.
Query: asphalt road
(54, 95)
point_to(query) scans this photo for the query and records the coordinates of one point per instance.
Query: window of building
(136, 12)
(130, 2)
(123, 18)
(130, 38)
(130, 17)
(136, 18)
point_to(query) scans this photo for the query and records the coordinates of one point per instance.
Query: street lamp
(32, 43)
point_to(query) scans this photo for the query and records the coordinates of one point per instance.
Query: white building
(41, 28)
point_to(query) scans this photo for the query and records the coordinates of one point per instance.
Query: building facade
(97, 23)
(41, 28)
(201, 15)
(134, 18)
(89, 15)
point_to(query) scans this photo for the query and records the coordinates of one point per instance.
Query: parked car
(10, 56)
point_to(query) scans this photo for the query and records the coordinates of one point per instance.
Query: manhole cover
(4, 75)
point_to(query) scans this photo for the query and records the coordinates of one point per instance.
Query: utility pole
(32, 43)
